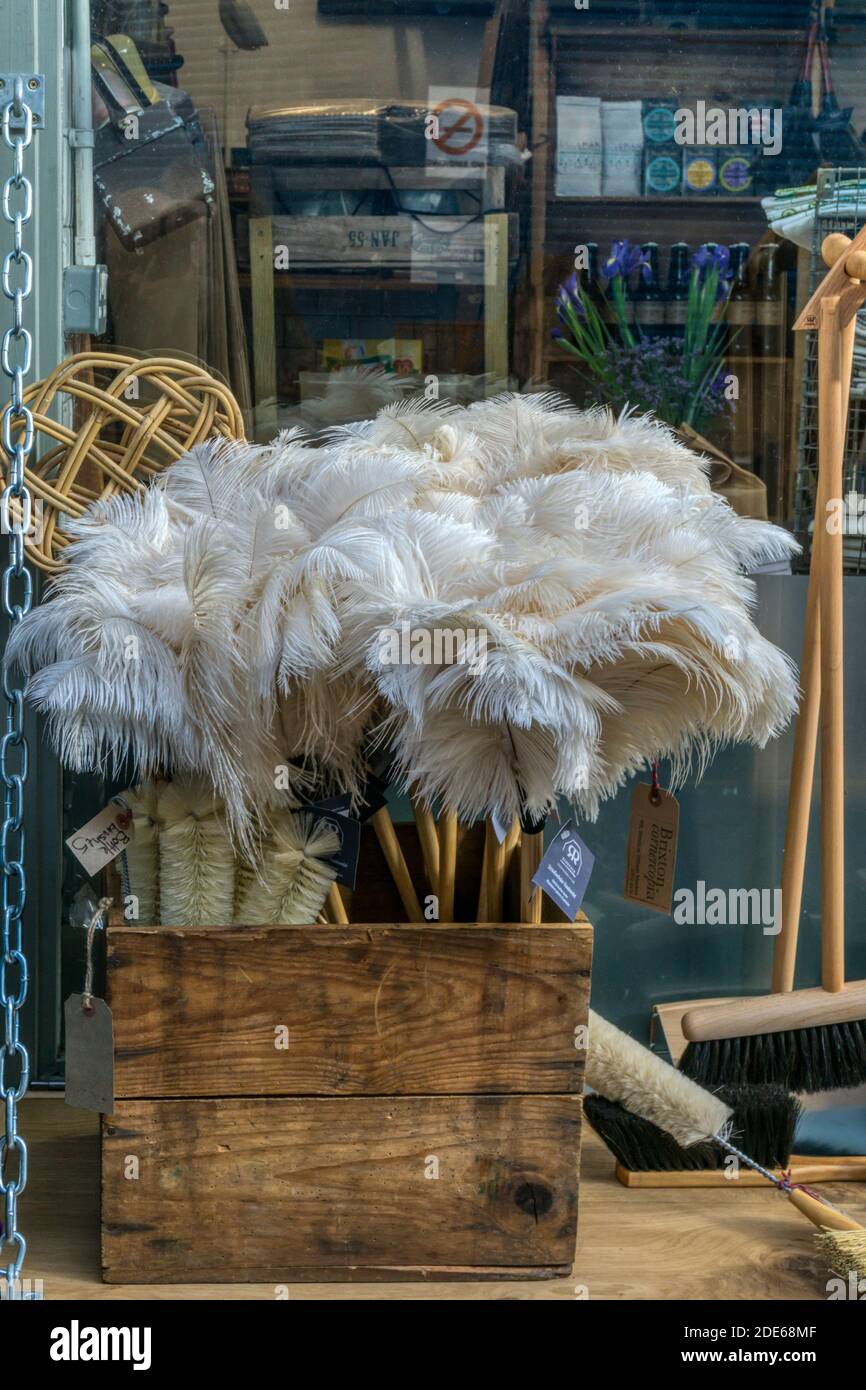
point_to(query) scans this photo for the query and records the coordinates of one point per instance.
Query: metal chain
(16, 435)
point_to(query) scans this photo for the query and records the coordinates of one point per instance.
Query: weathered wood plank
(269, 1190)
(375, 1010)
(401, 242)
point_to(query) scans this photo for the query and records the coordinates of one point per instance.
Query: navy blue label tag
(349, 832)
(373, 798)
(565, 870)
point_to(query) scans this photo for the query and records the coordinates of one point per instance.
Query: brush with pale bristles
(296, 874)
(141, 857)
(196, 858)
(648, 1094)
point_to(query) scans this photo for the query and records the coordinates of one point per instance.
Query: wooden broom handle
(495, 864)
(831, 443)
(822, 1215)
(806, 733)
(336, 907)
(390, 846)
(447, 865)
(531, 854)
(426, 824)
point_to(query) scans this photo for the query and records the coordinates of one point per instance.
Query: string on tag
(655, 789)
(95, 924)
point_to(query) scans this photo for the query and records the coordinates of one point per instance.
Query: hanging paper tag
(651, 853)
(565, 870)
(349, 833)
(500, 829)
(374, 798)
(89, 1054)
(102, 839)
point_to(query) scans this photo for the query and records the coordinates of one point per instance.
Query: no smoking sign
(458, 128)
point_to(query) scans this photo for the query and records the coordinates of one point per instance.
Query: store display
(418, 539)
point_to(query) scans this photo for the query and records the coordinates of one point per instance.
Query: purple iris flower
(625, 259)
(710, 256)
(568, 296)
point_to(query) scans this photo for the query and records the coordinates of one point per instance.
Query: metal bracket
(34, 95)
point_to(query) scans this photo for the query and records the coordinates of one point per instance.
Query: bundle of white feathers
(237, 619)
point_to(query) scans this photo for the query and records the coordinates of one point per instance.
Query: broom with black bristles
(812, 1039)
(644, 1106)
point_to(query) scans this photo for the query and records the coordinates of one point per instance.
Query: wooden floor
(632, 1244)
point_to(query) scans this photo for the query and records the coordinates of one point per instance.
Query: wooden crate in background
(382, 1102)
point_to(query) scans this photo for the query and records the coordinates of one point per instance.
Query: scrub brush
(765, 1116)
(196, 859)
(296, 874)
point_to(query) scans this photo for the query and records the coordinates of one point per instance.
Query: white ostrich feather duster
(258, 589)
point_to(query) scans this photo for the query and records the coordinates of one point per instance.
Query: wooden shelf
(641, 200)
(650, 33)
(347, 279)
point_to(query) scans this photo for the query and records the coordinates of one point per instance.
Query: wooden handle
(531, 855)
(806, 735)
(775, 1013)
(801, 1169)
(802, 779)
(387, 837)
(833, 246)
(336, 907)
(495, 862)
(821, 1214)
(831, 444)
(447, 865)
(426, 824)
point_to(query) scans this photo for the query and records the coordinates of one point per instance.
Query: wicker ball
(131, 417)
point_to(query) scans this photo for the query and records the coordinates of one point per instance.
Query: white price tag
(102, 839)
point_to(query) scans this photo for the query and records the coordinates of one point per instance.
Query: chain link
(16, 436)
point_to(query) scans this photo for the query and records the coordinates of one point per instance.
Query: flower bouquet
(679, 379)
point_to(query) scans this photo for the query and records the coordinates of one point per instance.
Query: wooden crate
(383, 1102)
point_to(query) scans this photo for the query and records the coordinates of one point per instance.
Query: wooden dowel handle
(495, 860)
(447, 865)
(426, 824)
(831, 445)
(336, 907)
(387, 837)
(531, 855)
(822, 1215)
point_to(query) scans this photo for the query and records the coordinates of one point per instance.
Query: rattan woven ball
(121, 419)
